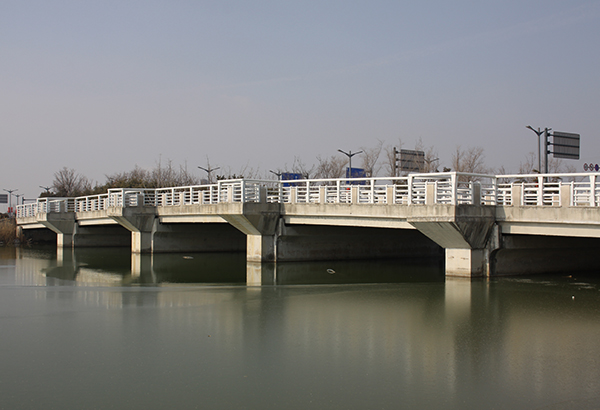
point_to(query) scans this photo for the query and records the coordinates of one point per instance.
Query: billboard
(566, 145)
(412, 161)
(3, 198)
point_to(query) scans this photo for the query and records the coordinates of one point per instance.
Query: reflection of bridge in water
(483, 224)
(452, 334)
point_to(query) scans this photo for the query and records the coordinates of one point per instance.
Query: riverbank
(8, 231)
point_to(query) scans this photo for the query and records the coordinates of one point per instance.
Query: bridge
(478, 224)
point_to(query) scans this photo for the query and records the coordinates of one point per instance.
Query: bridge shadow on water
(118, 267)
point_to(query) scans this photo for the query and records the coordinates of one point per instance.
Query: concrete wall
(529, 254)
(317, 242)
(42, 235)
(198, 237)
(101, 236)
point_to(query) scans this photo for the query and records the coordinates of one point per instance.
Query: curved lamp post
(350, 154)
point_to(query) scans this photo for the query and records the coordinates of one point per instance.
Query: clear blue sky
(102, 86)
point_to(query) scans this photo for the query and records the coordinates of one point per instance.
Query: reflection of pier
(456, 335)
(118, 267)
(484, 224)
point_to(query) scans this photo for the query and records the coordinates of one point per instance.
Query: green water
(96, 329)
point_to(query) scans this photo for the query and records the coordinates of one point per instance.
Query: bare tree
(555, 165)
(469, 161)
(430, 156)
(389, 164)
(370, 157)
(332, 167)
(527, 167)
(299, 167)
(167, 176)
(68, 183)
(136, 178)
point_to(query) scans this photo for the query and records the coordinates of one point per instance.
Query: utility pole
(539, 133)
(546, 135)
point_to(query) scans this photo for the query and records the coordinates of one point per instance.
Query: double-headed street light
(47, 188)
(10, 193)
(429, 161)
(350, 154)
(279, 174)
(209, 170)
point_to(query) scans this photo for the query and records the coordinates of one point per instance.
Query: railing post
(389, 194)
(475, 193)
(540, 191)
(430, 193)
(566, 194)
(410, 190)
(453, 188)
(593, 190)
(262, 194)
(516, 194)
(279, 192)
(293, 194)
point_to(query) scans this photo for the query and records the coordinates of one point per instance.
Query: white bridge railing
(46, 205)
(417, 189)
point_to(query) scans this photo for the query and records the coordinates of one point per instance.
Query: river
(96, 329)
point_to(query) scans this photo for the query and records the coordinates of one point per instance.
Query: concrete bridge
(479, 224)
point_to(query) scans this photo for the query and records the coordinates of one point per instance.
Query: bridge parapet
(45, 205)
(450, 188)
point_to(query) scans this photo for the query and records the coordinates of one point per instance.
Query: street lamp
(10, 191)
(209, 170)
(350, 154)
(47, 188)
(429, 161)
(276, 173)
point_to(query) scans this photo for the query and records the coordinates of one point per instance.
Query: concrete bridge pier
(464, 231)
(142, 266)
(261, 273)
(63, 224)
(259, 221)
(140, 221)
